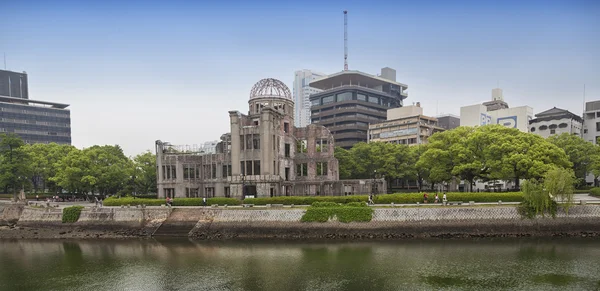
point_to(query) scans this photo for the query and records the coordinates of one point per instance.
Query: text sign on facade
(509, 121)
(400, 132)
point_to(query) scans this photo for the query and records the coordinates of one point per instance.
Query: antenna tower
(345, 40)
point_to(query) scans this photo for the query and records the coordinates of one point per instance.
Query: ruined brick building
(263, 155)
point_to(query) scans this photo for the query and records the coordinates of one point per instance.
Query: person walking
(444, 199)
(437, 199)
(37, 197)
(425, 198)
(371, 199)
(204, 201)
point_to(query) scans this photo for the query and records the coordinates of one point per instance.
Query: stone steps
(180, 222)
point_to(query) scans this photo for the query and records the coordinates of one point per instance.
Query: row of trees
(487, 153)
(95, 170)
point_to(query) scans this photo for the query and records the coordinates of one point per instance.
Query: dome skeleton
(270, 88)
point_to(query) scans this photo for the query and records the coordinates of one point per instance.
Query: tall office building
(496, 111)
(351, 100)
(33, 120)
(302, 92)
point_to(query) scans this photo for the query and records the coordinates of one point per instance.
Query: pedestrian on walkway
(425, 198)
(203, 201)
(444, 199)
(437, 199)
(371, 199)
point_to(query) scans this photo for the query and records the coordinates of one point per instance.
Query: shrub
(305, 200)
(343, 213)
(325, 204)
(114, 201)
(71, 214)
(356, 204)
(527, 210)
(595, 191)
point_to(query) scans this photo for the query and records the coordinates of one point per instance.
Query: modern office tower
(33, 120)
(556, 121)
(351, 100)
(301, 93)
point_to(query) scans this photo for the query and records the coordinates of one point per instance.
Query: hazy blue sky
(170, 70)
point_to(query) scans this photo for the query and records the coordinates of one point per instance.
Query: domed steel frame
(270, 88)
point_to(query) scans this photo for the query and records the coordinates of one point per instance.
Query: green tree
(44, 163)
(346, 163)
(15, 167)
(421, 172)
(145, 172)
(579, 152)
(595, 164)
(559, 182)
(517, 155)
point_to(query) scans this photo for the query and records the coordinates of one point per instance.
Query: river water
(506, 264)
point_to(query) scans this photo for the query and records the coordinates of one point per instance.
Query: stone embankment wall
(97, 218)
(398, 223)
(401, 222)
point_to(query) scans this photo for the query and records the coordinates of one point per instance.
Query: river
(499, 264)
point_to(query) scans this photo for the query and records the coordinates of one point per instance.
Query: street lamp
(243, 185)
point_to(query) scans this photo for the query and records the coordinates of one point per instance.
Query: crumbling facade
(264, 155)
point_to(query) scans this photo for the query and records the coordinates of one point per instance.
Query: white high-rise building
(301, 93)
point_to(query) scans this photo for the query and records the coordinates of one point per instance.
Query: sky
(140, 71)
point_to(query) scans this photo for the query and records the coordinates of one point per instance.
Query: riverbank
(227, 224)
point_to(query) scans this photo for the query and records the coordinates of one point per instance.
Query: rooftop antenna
(583, 114)
(345, 40)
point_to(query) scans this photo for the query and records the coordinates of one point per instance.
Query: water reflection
(406, 265)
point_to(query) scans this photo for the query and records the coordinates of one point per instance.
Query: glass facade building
(351, 100)
(32, 120)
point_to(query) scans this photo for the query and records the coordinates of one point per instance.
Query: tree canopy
(95, 170)
(485, 153)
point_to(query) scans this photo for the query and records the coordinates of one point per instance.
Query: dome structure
(270, 88)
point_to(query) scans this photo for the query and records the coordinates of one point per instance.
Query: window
(287, 150)
(597, 126)
(243, 168)
(248, 141)
(256, 167)
(327, 100)
(242, 142)
(322, 169)
(301, 170)
(301, 146)
(533, 129)
(256, 141)
(346, 96)
(316, 102)
(563, 125)
(361, 97)
(322, 146)
(552, 131)
(373, 100)
(543, 127)
(585, 131)
(249, 168)
(227, 191)
(553, 126)
(226, 171)
(286, 127)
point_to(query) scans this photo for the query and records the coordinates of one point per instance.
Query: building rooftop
(355, 78)
(22, 101)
